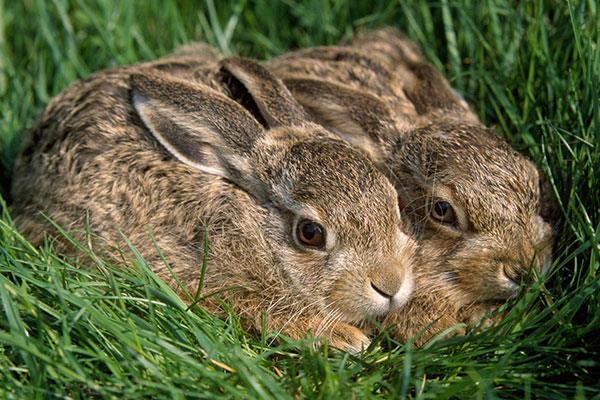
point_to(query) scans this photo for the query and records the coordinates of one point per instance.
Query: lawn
(530, 68)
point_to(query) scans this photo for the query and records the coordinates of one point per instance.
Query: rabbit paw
(348, 338)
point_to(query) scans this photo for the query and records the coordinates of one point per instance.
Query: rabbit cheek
(472, 276)
(305, 274)
(483, 278)
(346, 287)
(351, 295)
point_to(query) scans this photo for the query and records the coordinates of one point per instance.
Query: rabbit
(304, 231)
(480, 211)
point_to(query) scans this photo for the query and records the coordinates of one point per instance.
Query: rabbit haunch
(480, 212)
(161, 147)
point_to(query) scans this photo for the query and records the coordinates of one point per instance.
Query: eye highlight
(310, 234)
(442, 211)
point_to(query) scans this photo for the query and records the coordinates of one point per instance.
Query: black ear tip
(228, 63)
(238, 91)
(140, 88)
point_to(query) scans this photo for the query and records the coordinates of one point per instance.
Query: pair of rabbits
(482, 214)
(329, 182)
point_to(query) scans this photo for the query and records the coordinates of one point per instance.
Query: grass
(530, 68)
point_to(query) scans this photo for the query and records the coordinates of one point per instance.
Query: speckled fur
(93, 158)
(379, 93)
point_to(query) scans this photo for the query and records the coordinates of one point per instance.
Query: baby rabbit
(304, 231)
(476, 204)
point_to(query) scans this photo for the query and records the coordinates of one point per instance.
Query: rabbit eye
(310, 233)
(443, 212)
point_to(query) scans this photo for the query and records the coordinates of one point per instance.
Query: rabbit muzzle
(390, 289)
(390, 280)
(495, 270)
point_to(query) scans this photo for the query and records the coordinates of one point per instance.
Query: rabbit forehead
(492, 182)
(337, 183)
(496, 187)
(331, 170)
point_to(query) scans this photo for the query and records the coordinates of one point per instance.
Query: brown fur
(168, 147)
(400, 110)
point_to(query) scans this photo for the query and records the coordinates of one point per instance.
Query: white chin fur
(380, 305)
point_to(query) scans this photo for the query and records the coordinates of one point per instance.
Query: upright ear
(261, 93)
(198, 126)
(359, 118)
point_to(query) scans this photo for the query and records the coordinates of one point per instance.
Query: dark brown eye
(310, 233)
(443, 212)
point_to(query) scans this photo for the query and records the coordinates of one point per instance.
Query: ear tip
(232, 60)
(236, 62)
(244, 67)
(300, 85)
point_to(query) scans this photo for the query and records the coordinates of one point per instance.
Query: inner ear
(238, 92)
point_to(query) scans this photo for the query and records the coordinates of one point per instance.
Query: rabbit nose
(387, 286)
(383, 292)
(391, 280)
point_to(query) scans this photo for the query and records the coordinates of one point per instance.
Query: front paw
(481, 315)
(347, 338)
(338, 334)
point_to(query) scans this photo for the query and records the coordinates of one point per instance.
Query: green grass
(532, 69)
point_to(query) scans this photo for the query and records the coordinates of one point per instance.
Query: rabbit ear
(261, 92)
(339, 54)
(549, 206)
(389, 44)
(429, 91)
(199, 127)
(359, 118)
